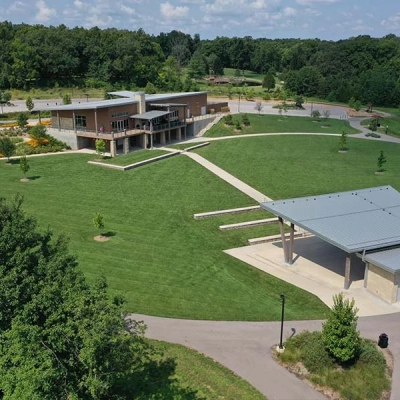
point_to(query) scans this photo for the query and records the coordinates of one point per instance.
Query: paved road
(244, 347)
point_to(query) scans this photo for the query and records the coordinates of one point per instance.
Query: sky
(323, 19)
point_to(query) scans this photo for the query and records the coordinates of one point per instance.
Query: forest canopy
(362, 67)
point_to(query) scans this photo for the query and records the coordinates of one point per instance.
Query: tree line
(364, 68)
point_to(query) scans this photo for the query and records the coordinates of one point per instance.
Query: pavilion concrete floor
(318, 268)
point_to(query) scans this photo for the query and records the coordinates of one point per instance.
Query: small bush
(225, 109)
(228, 119)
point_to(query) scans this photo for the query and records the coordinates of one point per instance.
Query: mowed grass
(301, 165)
(133, 157)
(206, 378)
(163, 261)
(279, 124)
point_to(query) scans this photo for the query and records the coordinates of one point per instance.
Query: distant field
(56, 93)
(284, 123)
(251, 75)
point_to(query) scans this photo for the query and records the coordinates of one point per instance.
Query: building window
(80, 121)
(118, 126)
(120, 114)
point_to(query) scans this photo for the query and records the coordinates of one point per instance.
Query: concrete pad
(318, 268)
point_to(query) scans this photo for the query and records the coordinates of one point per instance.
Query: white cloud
(16, 6)
(309, 2)
(128, 10)
(392, 22)
(169, 11)
(289, 12)
(44, 13)
(79, 4)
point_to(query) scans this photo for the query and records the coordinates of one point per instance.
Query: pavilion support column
(178, 133)
(126, 145)
(73, 121)
(151, 141)
(291, 243)
(58, 121)
(162, 138)
(347, 271)
(95, 122)
(284, 247)
(144, 141)
(113, 148)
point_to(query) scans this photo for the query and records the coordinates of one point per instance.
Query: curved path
(244, 347)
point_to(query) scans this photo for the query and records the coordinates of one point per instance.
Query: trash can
(383, 341)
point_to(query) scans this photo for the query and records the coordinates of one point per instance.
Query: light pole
(282, 318)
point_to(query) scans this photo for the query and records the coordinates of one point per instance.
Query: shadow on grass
(109, 234)
(33, 178)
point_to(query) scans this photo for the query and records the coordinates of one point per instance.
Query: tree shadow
(34, 177)
(109, 234)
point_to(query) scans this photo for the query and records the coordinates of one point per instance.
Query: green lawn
(162, 260)
(284, 123)
(205, 378)
(133, 157)
(231, 72)
(300, 165)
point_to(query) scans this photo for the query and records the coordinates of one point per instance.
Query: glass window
(80, 121)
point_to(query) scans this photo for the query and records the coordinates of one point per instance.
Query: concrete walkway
(227, 177)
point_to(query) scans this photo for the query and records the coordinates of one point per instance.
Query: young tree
(373, 124)
(228, 119)
(24, 166)
(343, 141)
(22, 120)
(339, 332)
(259, 107)
(299, 101)
(98, 222)
(381, 161)
(268, 81)
(29, 103)
(316, 114)
(67, 99)
(100, 146)
(326, 114)
(5, 97)
(7, 147)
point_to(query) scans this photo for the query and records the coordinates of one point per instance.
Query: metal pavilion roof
(354, 221)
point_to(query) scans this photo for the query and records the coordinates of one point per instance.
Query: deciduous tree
(339, 332)
(7, 147)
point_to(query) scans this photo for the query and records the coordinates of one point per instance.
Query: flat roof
(150, 114)
(126, 97)
(354, 221)
(385, 259)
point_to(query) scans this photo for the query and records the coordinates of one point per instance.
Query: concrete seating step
(248, 224)
(273, 238)
(226, 212)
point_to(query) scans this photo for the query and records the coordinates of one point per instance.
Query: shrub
(316, 114)
(228, 119)
(238, 127)
(245, 120)
(225, 109)
(339, 332)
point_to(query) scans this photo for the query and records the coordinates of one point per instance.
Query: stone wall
(69, 137)
(193, 128)
(382, 283)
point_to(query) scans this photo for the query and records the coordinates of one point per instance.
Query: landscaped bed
(280, 123)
